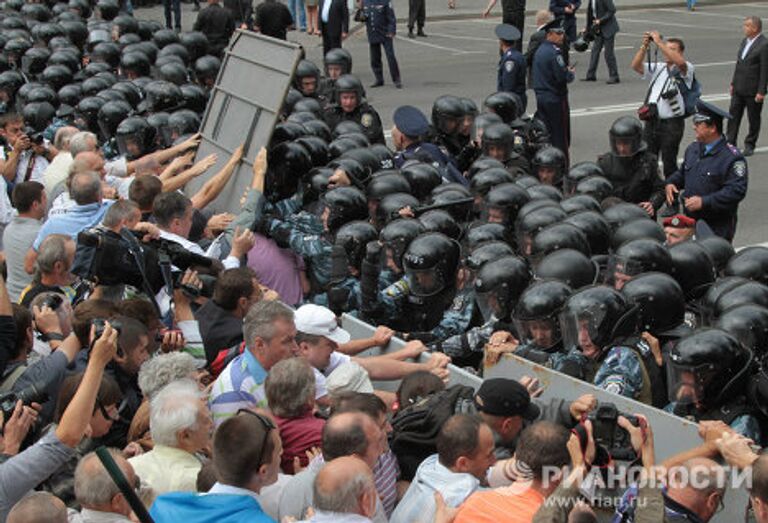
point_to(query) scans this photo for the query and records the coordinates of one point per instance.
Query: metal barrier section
(243, 108)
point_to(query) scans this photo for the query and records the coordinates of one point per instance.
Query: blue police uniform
(511, 75)
(380, 21)
(550, 83)
(719, 175)
(557, 7)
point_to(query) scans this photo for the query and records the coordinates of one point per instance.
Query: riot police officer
(713, 174)
(352, 106)
(536, 319)
(550, 165)
(338, 62)
(306, 79)
(447, 121)
(511, 73)
(499, 143)
(631, 168)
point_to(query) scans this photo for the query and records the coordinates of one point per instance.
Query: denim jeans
(174, 5)
(300, 21)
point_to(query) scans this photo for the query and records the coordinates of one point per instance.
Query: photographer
(664, 129)
(26, 155)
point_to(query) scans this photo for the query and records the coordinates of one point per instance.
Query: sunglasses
(107, 415)
(268, 427)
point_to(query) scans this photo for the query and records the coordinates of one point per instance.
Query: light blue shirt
(72, 221)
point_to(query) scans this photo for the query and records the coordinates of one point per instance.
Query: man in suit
(748, 84)
(566, 9)
(601, 16)
(334, 23)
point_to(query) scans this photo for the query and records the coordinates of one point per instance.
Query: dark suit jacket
(606, 12)
(338, 18)
(751, 74)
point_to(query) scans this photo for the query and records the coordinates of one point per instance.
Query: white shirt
(38, 168)
(660, 80)
(326, 10)
(747, 46)
(57, 170)
(322, 516)
(337, 358)
(167, 469)
(230, 262)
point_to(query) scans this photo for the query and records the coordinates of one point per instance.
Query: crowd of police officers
(476, 236)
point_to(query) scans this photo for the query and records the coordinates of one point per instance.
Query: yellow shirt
(167, 469)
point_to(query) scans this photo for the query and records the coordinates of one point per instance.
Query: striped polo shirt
(239, 386)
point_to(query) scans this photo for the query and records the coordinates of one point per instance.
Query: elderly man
(59, 167)
(270, 336)
(60, 198)
(38, 507)
(181, 426)
(465, 452)
(344, 491)
(55, 257)
(246, 457)
(97, 493)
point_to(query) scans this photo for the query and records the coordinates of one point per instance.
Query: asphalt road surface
(459, 57)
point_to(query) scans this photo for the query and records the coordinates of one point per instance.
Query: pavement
(460, 54)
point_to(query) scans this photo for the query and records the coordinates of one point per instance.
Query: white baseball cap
(349, 377)
(319, 321)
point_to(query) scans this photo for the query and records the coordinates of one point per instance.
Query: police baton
(443, 205)
(122, 483)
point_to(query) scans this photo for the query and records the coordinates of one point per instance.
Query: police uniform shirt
(550, 72)
(660, 81)
(511, 74)
(37, 173)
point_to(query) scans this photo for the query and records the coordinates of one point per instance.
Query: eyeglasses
(107, 415)
(268, 427)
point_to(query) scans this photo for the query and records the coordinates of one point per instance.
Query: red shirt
(298, 435)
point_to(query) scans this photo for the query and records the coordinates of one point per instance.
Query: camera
(581, 44)
(34, 136)
(609, 435)
(670, 95)
(34, 393)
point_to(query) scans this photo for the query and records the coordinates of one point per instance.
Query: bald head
(351, 433)
(63, 136)
(88, 161)
(38, 507)
(699, 485)
(345, 485)
(94, 487)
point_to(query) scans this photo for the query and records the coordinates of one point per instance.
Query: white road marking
(700, 13)
(435, 46)
(714, 64)
(631, 107)
(652, 23)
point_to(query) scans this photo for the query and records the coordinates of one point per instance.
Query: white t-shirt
(39, 166)
(337, 359)
(660, 81)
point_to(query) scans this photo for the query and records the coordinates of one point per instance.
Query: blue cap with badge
(410, 121)
(508, 32)
(706, 112)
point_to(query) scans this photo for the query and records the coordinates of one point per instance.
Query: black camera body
(34, 393)
(34, 136)
(609, 435)
(584, 39)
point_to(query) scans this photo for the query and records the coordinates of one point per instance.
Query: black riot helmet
(456, 200)
(98, 35)
(286, 132)
(596, 229)
(386, 182)
(130, 92)
(498, 141)
(580, 202)
(42, 93)
(87, 113)
(396, 236)
(338, 57)
(176, 50)
(526, 181)
(534, 205)
(636, 257)
(747, 292)
(195, 42)
(159, 124)
(528, 225)
(349, 83)
(106, 52)
(347, 127)
(134, 65)
(37, 12)
(108, 9)
(366, 158)
(308, 105)
(422, 177)
(160, 95)
(578, 172)
(111, 95)
(43, 32)
(165, 37)
(134, 137)
(719, 249)
(110, 116)
(751, 263)
(391, 204)
(626, 136)
(353, 237)
(537, 314)
(550, 165)
(487, 179)
(76, 31)
(483, 163)
(183, 123)
(503, 203)
(354, 171)
(598, 187)
(38, 115)
(313, 184)
(623, 212)
(660, 299)
(317, 128)
(748, 323)
(499, 284)
(505, 104)
(70, 94)
(14, 49)
(93, 69)
(384, 154)
(447, 114)
(485, 232)
(94, 85)
(10, 82)
(344, 204)
(317, 149)
(173, 72)
(438, 220)
(34, 61)
(482, 121)
(57, 76)
(635, 230)
(544, 192)
(487, 252)
(594, 317)
(81, 7)
(206, 70)
(288, 162)
(717, 289)
(706, 368)
(558, 236)
(306, 69)
(431, 263)
(693, 268)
